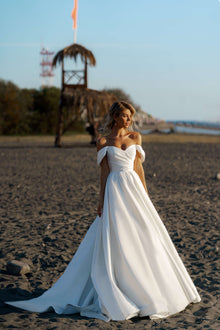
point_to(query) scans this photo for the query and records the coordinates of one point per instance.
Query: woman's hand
(99, 209)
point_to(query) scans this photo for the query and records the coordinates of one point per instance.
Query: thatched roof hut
(74, 51)
(77, 97)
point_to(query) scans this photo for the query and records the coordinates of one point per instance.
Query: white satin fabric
(126, 264)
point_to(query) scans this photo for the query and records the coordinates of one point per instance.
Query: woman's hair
(115, 110)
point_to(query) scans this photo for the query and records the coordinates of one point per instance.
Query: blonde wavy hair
(114, 111)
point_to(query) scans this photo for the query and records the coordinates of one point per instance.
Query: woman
(126, 265)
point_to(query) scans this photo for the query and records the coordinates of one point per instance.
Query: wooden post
(63, 76)
(60, 122)
(59, 131)
(85, 73)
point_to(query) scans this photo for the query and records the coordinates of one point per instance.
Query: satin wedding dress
(126, 265)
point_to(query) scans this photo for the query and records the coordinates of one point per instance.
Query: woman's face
(124, 119)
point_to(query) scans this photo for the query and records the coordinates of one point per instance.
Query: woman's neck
(118, 132)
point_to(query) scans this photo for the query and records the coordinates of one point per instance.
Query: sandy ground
(48, 201)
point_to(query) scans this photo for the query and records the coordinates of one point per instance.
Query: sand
(49, 198)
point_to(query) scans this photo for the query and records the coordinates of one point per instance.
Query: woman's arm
(103, 176)
(138, 168)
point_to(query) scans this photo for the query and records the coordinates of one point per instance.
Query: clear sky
(164, 53)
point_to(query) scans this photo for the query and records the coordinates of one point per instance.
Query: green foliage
(44, 111)
(12, 113)
(28, 111)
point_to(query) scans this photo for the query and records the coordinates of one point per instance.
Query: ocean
(191, 127)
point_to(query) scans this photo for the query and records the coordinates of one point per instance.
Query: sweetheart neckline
(119, 148)
(123, 149)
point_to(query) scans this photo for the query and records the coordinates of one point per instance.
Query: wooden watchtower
(75, 93)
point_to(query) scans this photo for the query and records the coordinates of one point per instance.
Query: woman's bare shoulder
(136, 137)
(101, 142)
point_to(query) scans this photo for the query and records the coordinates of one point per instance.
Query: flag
(74, 14)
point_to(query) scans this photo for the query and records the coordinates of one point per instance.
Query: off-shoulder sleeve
(101, 154)
(141, 150)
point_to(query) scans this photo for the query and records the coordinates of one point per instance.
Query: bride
(126, 265)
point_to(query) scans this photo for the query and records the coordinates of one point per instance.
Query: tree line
(26, 111)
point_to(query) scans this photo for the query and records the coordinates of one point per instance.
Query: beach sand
(49, 198)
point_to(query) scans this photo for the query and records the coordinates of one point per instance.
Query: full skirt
(126, 265)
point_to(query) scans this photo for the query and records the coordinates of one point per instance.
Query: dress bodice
(119, 159)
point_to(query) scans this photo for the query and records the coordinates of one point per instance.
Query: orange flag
(74, 14)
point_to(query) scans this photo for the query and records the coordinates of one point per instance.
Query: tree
(26, 111)
(44, 114)
(13, 109)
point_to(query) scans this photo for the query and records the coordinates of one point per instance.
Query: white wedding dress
(126, 265)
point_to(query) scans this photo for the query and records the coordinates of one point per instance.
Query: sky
(164, 53)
